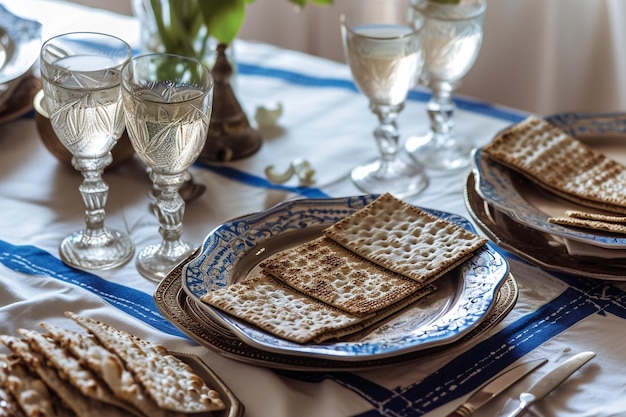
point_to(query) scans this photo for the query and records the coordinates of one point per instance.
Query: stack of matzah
(103, 373)
(360, 271)
(561, 164)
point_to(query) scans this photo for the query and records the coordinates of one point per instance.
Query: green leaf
(223, 18)
(180, 25)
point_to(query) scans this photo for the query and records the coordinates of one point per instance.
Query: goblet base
(444, 153)
(154, 262)
(107, 250)
(397, 177)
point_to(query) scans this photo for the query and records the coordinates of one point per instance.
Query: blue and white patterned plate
(20, 42)
(233, 251)
(529, 204)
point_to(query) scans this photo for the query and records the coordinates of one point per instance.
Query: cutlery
(550, 381)
(495, 386)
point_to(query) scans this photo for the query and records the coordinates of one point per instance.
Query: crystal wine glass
(81, 74)
(167, 103)
(452, 33)
(385, 57)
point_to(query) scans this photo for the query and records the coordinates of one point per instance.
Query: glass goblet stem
(94, 192)
(155, 261)
(95, 246)
(440, 110)
(170, 208)
(387, 134)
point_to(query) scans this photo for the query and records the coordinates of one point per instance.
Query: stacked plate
(513, 211)
(469, 299)
(20, 42)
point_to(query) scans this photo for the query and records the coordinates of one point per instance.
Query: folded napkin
(561, 164)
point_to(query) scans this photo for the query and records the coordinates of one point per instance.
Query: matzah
(279, 309)
(107, 367)
(405, 239)
(80, 405)
(31, 393)
(269, 304)
(8, 404)
(576, 214)
(324, 270)
(69, 368)
(561, 164)
(589, 224)
(167, 380)
(379, 317)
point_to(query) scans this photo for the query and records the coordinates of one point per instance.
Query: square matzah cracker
(561, 164)
(267, 303)
(279, 309)
(405, 239)
(327, 271)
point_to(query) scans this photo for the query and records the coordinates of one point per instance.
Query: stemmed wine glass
(81, 74)
(385, 57)
(453, 34)
(167, 103)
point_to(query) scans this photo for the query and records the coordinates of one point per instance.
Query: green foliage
(185, 21)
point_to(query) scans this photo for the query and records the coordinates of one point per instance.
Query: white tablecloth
(326, 121)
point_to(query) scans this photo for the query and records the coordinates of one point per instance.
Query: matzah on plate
(561, 164)
(405, 239)
(170, 383)
(97, 373)
(593, 221)
(363, 269)
(269, 304)
(328, 272)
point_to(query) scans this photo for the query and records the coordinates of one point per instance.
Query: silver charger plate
(529, 204)
(232, 252)
(179, 309)
(174, 304)
(233, 407)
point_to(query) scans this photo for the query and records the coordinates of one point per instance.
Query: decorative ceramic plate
(531, 205)
(543, 249)
(233, 251)
(178, 308)
(20, 43)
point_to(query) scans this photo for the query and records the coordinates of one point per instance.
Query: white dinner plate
(233, 251)
(529, 204)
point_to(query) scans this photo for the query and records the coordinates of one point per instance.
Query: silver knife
(550, 381)
(495, 386)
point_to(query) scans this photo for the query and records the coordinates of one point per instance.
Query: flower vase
(230, 135)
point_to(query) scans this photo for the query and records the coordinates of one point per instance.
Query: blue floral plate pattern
(20, 42)
(233, 251)
(530, 205)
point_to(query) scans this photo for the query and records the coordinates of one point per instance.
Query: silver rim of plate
(233, 406)
(530, 205)
(233, 250)
(174, 304)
